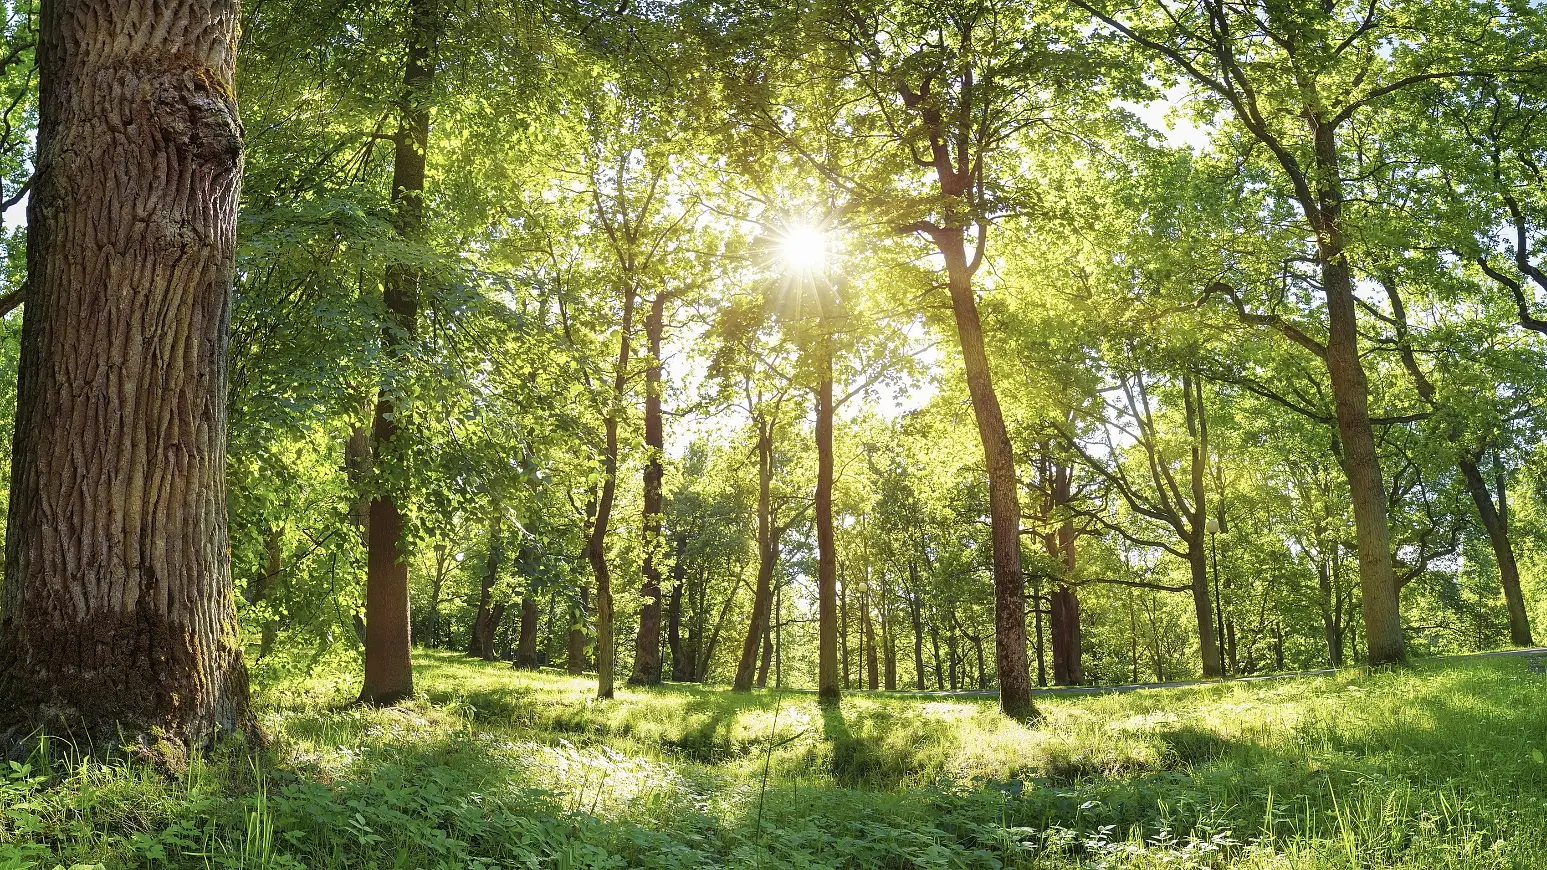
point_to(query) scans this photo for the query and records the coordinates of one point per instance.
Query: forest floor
(1437, 765)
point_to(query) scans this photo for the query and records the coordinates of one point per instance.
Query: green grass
(1436, 766)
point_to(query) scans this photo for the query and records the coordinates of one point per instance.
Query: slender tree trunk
(116, 615)
(1350, 392)
(843, 632)
(647, 646)
(681, 669)
(872, 662)
(1230, 647)
(1203, 608)
(388, 669)
(526, 640)
(601, 519)
(889, 642)
(915, 610)
(1003, 497)
(1495, 521)
(703, 662)
(575, 654)
(480, 643)
(827, 559)
(768, 554)
(934, 642)
(273, 565)
(952, 648)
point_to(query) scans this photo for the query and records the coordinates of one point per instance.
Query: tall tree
(389, 673)
(117, 612)
(1295, 77)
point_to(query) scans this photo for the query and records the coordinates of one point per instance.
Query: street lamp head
(1212, 526)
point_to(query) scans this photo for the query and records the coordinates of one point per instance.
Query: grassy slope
(1437, 766)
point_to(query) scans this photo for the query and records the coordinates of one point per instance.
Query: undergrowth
(1436, 766)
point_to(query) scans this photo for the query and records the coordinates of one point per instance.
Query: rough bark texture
(647, 646)
(389, 673)
(117, 613)
(1003, 499)
(1351, 397)
(1495, 520)
(827, 558)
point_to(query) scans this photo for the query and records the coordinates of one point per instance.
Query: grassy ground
(1438, 766)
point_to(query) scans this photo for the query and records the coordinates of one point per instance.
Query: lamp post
(1212, 526)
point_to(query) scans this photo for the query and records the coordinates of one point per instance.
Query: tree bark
(681, 669)
(480, 642)
(1003, 499)
(915, 612)
(647, 646)
(117, 612)
(388, 669)
(767, 556)
(827, 558)
(1495, 521)
(872, 668)
(1351, 396)
(526, 641)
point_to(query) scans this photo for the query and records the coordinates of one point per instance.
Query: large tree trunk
(388, 669)
(1351, 396)
(767, 556)
(1495, 520)
(1064, 603)
(827, 559)
(1064, 626)
(647, 646)
(480, 642)
(117, 612)
(1003, 499)
(526, 641)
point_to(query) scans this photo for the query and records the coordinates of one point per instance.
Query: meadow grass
(1439, 765)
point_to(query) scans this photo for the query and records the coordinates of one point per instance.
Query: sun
(803, 248)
